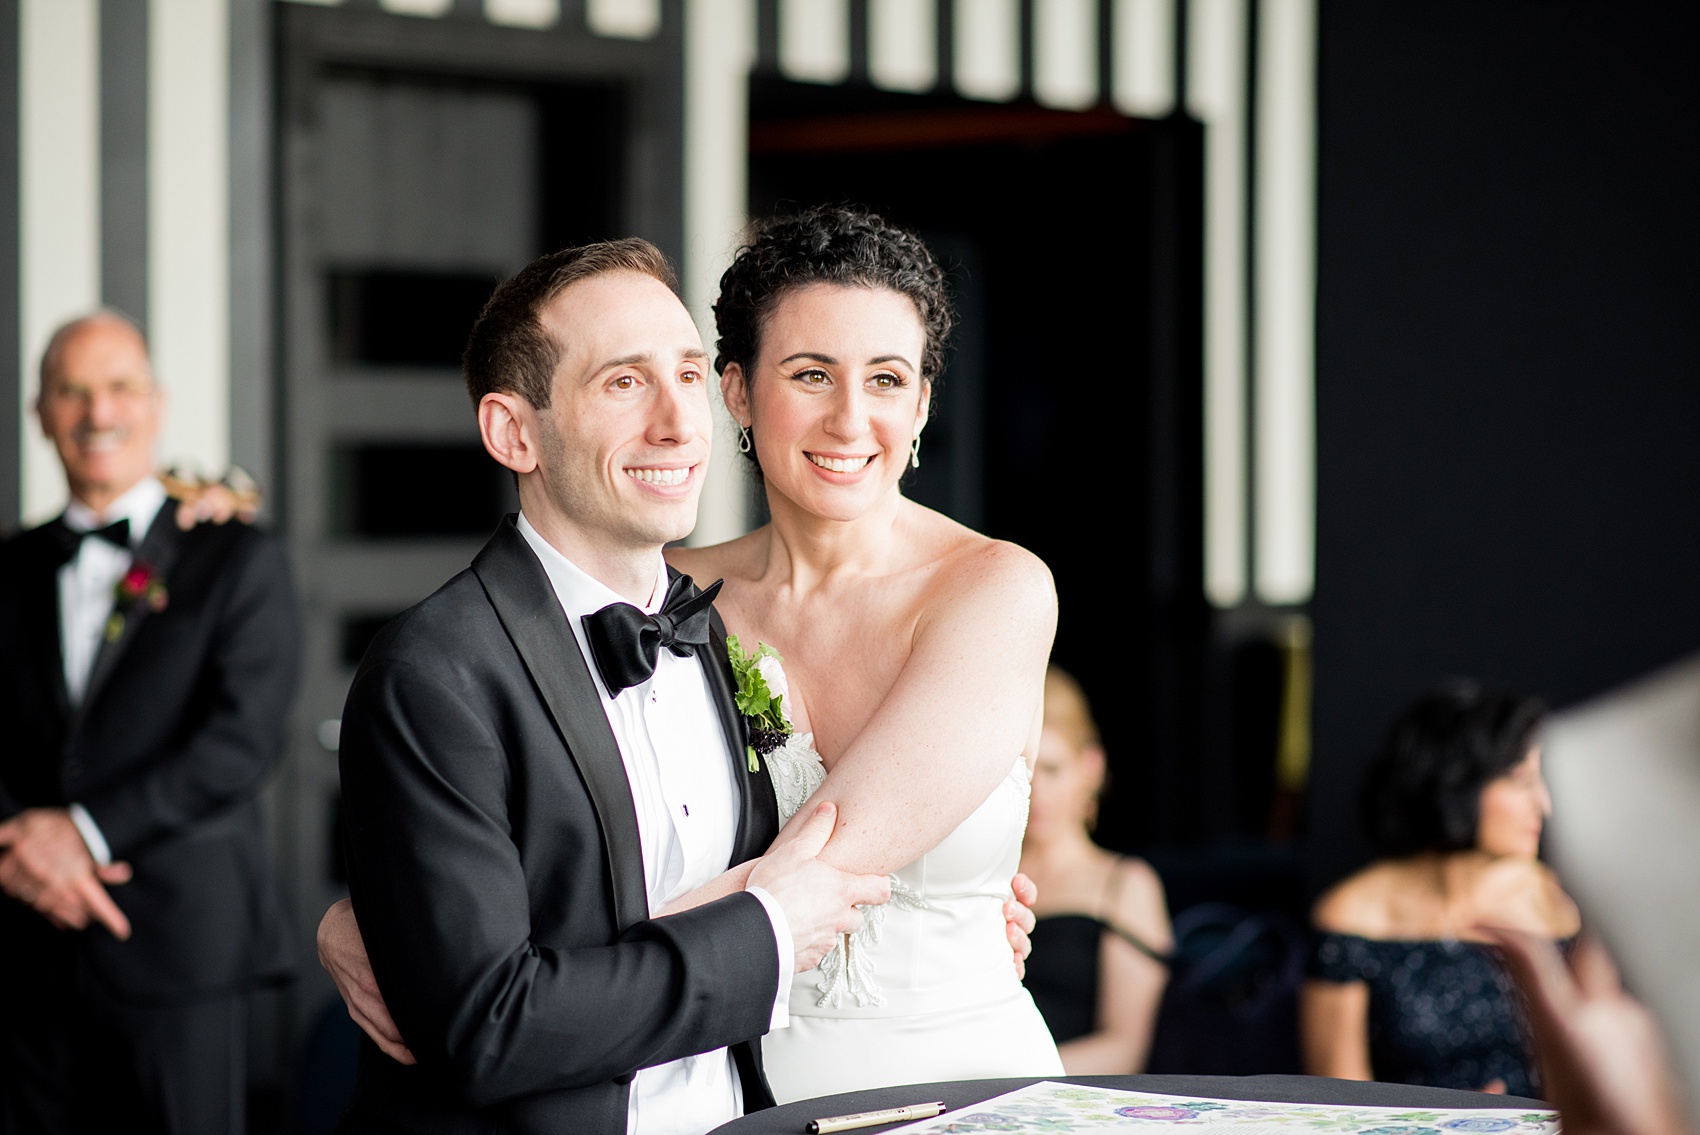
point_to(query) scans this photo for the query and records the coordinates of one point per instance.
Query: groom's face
(625, 439)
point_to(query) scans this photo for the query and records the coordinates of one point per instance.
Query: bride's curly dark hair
(828, 244)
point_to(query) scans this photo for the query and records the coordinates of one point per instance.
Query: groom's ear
(508, 425)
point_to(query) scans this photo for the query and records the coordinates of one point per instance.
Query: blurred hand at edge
(342, 953)
(1603, 1060)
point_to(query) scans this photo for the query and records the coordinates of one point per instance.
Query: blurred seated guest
(1100, 946)
(1403, 985)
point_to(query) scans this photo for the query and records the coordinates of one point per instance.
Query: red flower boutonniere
(140, 585)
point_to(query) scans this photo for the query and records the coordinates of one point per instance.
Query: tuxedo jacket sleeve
(488, 883)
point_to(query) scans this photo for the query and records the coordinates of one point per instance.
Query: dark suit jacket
(494, 861)
(182, 722)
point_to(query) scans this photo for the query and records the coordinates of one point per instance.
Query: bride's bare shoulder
(981, 572)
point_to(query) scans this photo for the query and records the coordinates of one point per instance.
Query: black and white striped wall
(139, 177)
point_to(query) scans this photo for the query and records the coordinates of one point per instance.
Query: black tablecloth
(790, 1118)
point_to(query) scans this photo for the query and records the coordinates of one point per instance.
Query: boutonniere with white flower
(141, 586)
(761, 697)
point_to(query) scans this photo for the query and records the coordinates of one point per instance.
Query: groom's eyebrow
(644, 358)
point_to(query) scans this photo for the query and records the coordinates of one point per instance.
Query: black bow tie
(626, 642)
(69, 539)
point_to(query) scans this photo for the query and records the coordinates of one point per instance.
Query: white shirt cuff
(787, 958)
(91, 834)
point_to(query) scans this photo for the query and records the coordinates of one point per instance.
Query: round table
(790, 1118)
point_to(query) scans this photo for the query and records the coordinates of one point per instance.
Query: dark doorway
(1072, 400)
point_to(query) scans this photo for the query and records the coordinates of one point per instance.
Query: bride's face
(835, 398)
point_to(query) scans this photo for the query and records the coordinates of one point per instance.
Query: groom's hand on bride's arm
(819, 901)
(1018, 916)
(342, 951)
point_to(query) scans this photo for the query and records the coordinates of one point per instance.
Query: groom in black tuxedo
(145, 679)
(542, 762)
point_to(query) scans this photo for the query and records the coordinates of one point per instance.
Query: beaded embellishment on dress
(849, 967)
(797, 771)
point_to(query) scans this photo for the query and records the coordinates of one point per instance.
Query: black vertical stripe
(1106, 52)
(859, 48)
(11, 374)
(124, 157)
(947, 45)
(767, 36)
(1025, 19)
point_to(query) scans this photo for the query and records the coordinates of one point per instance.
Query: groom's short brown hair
(509, 351)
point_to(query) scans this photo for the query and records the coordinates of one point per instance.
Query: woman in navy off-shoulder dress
(1403, 985)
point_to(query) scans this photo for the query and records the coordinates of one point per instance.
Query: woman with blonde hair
(1100, 948)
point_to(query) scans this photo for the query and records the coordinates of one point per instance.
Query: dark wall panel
(1508, 386)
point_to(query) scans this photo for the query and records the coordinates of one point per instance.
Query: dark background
(1508, 397)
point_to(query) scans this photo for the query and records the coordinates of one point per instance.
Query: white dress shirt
(87, 583)
(686, 796)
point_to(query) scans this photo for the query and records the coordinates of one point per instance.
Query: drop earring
(743, 439)
(915, 453)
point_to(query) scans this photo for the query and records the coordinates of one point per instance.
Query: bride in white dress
(915, 653)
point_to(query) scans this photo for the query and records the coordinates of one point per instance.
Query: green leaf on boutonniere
(760, 697)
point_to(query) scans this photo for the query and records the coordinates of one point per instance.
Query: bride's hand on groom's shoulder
(819, 901)
(342, 953)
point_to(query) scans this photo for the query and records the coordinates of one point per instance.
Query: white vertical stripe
(814, 40)
(903, 37)
(189, 224)
(1285, 342)
(1065, 53)
(720, 39)
(1144, 54)
(624, 19)
(1216, 94)
(986, 57)
(531, 13)
(58, 207)
(432, 9)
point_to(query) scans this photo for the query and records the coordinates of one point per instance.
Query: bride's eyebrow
(819, 358)
(891, 359)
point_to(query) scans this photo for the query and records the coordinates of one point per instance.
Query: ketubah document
(1070, 1109)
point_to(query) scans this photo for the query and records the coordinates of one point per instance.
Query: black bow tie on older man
(625, 642)
(68, 540)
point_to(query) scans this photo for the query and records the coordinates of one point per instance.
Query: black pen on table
(873, 1118)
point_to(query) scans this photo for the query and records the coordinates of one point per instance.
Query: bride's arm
(728, 882)
(967, 702)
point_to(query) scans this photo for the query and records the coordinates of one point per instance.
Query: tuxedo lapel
(758, 813)
(158, 550)
(519, 590)
(39, 617)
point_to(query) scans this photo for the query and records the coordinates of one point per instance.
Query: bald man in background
(145, 678)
